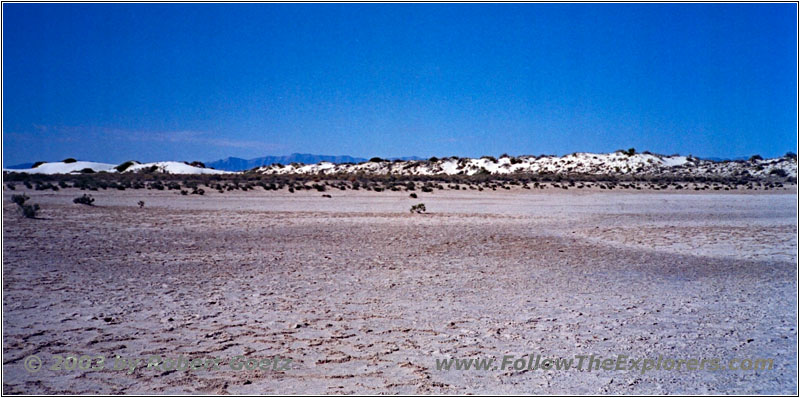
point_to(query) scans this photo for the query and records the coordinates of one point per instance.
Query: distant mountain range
(726, 159)
(239, 164)
(20, 166)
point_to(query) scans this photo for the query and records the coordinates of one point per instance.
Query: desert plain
(364, 296)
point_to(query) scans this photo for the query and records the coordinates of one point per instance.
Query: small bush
(778, 172)
(418, 208)
(30, 211)
(376, 160)
(87, 171)
(791, 155)
(19, 199)
(124, 166)
(141, 204)
(413, 195)
(11, 186)
(69, 160)
(84, 200)
(756, 157)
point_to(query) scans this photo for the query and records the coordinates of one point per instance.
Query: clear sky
(112, 82)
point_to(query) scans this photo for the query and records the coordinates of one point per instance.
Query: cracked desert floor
(364, 297)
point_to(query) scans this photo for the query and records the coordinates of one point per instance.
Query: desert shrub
(319, 187)
(69, 160)
(184, 192)
(376, 160)
(413, 195)
(756, 157)
(418, 208)
(489, 158)
(433, 159)
(84, 200)
(410, 186)
(141, 204)
(778, 172)
(19, 199)
(791, 155)
(326, 195)
(197, 164)
(124, 166)
(11, 186)
(30, 211)
(87, 171)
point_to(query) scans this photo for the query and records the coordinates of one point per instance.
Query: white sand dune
(78, 167)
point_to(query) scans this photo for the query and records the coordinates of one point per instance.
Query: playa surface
(364, 297)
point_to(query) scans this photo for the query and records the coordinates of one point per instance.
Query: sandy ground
(364, 297)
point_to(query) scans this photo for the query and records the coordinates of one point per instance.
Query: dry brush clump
(418, 208)
(87, 200)
(28, 210)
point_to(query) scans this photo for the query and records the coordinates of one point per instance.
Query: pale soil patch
(364, 296)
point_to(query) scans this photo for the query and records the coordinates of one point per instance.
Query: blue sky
(112, 82)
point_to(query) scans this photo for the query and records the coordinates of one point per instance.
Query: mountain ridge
(232, 163)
